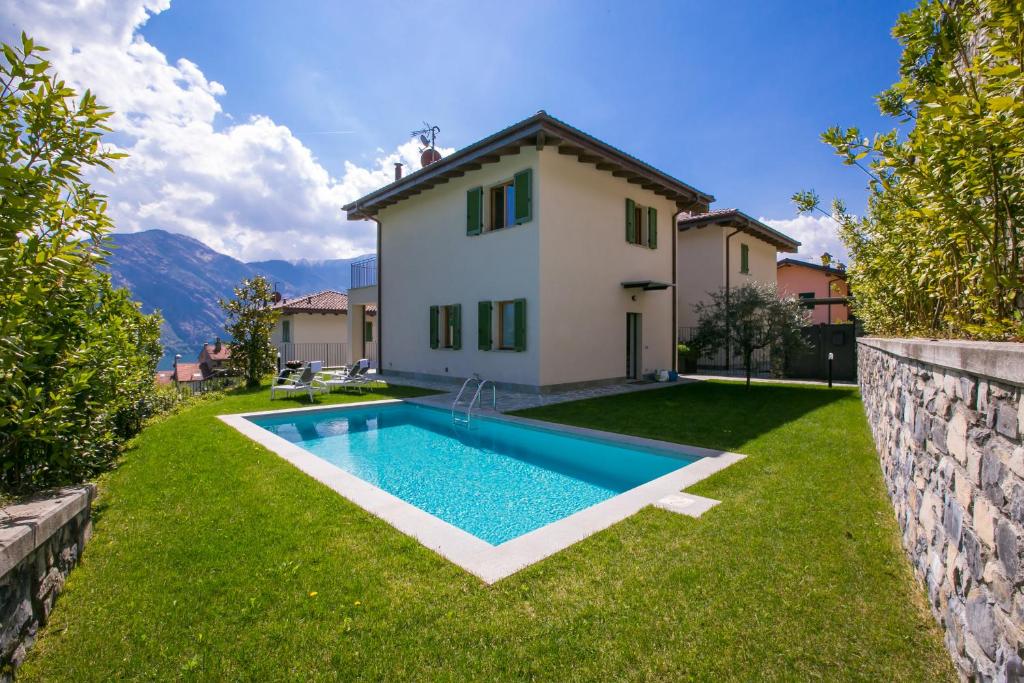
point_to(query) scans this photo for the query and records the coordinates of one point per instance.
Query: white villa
(724, 248)
(540, 258)
(321, 325)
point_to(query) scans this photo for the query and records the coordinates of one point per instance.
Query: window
(503, 205)
(286, 331)
(506, 204)
(745, 259)
(368, 331)
(641, 225)
(506, 325)
(807, 295)
(511, 318)
(446, 326)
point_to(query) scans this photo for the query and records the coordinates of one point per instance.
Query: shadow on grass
(722, 415)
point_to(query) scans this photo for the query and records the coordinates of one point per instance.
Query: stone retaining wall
(947, 419)
(40, 542)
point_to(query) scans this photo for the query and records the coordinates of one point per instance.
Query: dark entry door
(633, 346)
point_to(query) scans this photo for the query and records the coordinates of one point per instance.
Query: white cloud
(816, 234)
(249, 189)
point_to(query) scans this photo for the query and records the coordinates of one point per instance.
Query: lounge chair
(301, 384)
(356, 377)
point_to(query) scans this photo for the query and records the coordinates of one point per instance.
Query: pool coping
(488, 562)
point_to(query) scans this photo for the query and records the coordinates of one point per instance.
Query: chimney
(398, 170)
(217, 346)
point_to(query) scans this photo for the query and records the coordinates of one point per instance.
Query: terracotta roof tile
(188, 372)
(327, 301)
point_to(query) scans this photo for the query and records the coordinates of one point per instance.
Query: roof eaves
(748, 224)
(499, 142)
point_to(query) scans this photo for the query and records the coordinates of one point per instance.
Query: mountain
(184, 279)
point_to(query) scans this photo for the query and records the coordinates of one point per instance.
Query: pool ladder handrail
(480, 384)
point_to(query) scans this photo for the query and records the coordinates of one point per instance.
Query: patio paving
(510, 401)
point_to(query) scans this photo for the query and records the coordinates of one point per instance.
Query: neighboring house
(213, 358)
(186, 372)
(317, 325)
(538, 257)
(723, 248)
(823, 286)
(164, 376)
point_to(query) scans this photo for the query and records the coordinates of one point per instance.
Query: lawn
(214, 559)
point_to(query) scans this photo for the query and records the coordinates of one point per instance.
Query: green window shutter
(520, 324)
(456, 313)
(652, 228)
(435, 314)
(523, 183)
(367, 331)
(474, 210)
(744, 258)
(484, 325)
(631, 221)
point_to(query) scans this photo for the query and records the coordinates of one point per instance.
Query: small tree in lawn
(750, 318)
(250, 320)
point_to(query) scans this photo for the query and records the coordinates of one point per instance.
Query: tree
(77, 357)
(940, 251)
(250, 320)
(752, 317)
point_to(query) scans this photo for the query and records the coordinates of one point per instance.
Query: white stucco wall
(584, 259)
(701, 265)
(313, 327)
(427, 259)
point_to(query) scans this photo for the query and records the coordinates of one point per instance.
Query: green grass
(214, 559)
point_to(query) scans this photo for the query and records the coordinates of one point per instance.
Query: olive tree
(940, 251)
(251, 318)
(77, 357)
(748, 318)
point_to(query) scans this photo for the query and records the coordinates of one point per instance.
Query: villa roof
(213, 354)
(734, 218)
(164, 376)
(188, 372)
(539, 130)
(327, 301)
(838, 272)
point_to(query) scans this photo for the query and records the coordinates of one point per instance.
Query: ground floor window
(446, 326)
(286, 331)
(507, 325)
(368, 331)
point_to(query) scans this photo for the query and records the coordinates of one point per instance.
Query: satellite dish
(424, 140)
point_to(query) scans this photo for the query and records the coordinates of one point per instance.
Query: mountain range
(184, 279)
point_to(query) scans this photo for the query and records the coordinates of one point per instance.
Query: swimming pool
(489, 498)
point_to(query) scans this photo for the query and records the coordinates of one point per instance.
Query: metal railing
(364, 273)
(202, 386)
(467, 418)
(332, 354)
(714, 360)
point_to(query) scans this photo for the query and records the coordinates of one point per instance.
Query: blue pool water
(497, 481)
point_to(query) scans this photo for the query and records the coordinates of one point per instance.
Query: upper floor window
(503, 205)
(641, 224)
(507, 203)
(745, 259)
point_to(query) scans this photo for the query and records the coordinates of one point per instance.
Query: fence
(364, 273)
(332, 354)
(716, 359)
(202, 386)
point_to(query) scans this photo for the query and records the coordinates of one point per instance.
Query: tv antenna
(428, 136)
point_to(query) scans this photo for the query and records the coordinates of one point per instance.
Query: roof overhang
(646, 285)
(744, 223)
(540, 130)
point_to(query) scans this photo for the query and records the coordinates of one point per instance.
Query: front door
(633, 346)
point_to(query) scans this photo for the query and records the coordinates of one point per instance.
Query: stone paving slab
(686, 504)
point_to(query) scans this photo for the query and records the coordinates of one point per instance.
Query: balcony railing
(364, 273)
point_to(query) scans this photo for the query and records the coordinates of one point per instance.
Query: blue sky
(729, 97)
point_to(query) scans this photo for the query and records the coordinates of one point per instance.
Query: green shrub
(77, 356)
(941, 249)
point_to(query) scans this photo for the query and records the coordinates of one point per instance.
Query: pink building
(825, 287)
